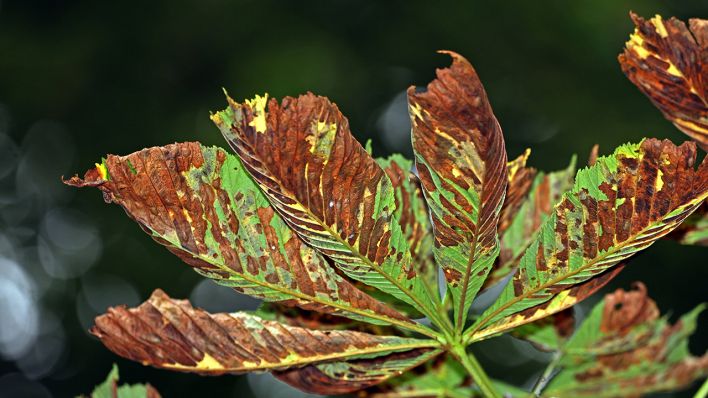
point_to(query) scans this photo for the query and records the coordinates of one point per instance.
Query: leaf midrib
(469, 334)
(411, 326)
(315, 359)
(379, 270)
(295, 293)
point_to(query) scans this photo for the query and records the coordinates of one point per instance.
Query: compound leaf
(202, 205)
(461, 161)
(327, 188)
(171, 334)
(617, 207)
(668, 62)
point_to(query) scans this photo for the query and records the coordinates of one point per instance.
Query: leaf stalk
(473, 367)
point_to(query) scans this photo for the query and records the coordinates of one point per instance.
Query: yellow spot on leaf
(216, 118)
(687, 124)
(635, 38)
(641, 52)
(187, 216)
(659, 25)
(517, 164)
(415, 111)
(258, 105)
(673, 70)
(102, 171)
(659, 183)
(207, 363)
(322, 138)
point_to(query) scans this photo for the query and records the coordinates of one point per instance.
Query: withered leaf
(623, 321)
(617, 207)
(171, 334)
(668, 62)
(461, 161)
(201, 204)
(623, 349)
(327, 188)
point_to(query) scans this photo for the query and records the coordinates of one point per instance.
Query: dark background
(85, 78)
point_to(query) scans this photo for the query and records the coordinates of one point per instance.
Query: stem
(547, 373)
(703, 391)
(475, 370)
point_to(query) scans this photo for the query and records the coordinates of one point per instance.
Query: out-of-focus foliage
(110, 388)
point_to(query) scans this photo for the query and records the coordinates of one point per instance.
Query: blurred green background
(79, 79)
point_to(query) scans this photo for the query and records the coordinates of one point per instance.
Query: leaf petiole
(469, 362)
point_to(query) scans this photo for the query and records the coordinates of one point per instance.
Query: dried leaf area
(368, 267)
(668, 62)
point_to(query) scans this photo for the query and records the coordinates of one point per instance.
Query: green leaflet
(343, 376)
(549, 333)
(621, 322)
(694, 231)
(171, 334)
(461, 161)
(328, 189)
(209, 213)
(110, 389)
(617, 207)
(412, 215)
(545, 193)
(444, 377)
(624, 349)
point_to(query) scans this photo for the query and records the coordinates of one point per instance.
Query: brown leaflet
(173, 193)
(171, 334)
(625, 309)
(294, 316)
(549, 333)
(412, 215)
(567, 299)
(520, 181)
(327, 187)
(461, 162)
(544, 194)
(354, 375)
(619, 206)
(668, 62)
(629, 351)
